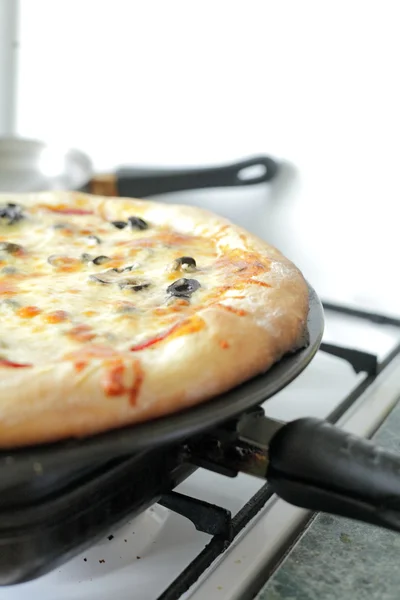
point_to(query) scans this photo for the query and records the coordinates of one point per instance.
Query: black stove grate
(218, 544)
(216, 520)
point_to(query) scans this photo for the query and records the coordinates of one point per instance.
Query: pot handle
(317, 466)
(137, 182)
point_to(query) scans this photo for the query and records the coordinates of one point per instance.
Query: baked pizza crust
(50, 402)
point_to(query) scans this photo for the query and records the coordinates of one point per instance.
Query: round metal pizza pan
(172, 428)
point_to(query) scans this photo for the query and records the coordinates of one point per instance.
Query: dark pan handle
(318, 466)
(140, 183)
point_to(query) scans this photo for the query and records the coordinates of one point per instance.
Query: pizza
(115, 311)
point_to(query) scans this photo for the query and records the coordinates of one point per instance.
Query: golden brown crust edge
(180, 373)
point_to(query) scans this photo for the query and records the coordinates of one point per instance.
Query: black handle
(318, 466)
(148, 182)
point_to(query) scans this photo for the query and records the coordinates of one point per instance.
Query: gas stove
(220, 537)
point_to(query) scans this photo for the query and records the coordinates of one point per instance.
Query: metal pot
(30, 165)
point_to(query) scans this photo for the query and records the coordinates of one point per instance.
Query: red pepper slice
(154, 340)
(190, 325)
(14, 365)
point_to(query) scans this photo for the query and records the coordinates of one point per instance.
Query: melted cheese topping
(73, 285)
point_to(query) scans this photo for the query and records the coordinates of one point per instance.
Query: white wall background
(313, 83)
(8, 60)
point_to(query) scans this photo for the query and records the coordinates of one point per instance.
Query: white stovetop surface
(166, 542)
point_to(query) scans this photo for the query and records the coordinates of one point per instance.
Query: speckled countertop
(339, 559)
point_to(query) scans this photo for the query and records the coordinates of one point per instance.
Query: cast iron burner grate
(217, 521)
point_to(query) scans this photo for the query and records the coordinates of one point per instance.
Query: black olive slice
(186, 263)
(12, 212)
(94, 239)
(137, 223)
(10, 248)
(183, 288)
(113, 276)
(132, 284)
(100, 260)
(124, 269)
(52, 259)
(101, 278)
(119, 224)
(11, 303)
